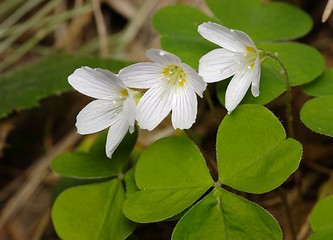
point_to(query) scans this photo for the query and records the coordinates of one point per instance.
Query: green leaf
(222, 215)
(24, 87)
(303, 63)
(171, 175)
(95, 163)
(83, 165)
(262, 21)
(322, 86)
(92, 212)
(321, 219)
(178, 27)
(253, 153)
(317, 114)
(130, 182)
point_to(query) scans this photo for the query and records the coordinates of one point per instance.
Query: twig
(36, 174)
(328, 10)
(101, 28)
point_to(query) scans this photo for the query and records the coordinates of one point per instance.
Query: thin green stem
(209, 100)
(289, 114)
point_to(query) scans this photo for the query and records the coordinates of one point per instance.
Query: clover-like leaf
(322, 86)
(23, 88)
(171, 175)
(222, 215)
(95, 164)
(253, 152)
(262, 21)
(321, 219)
(92, 212)
(317, 114)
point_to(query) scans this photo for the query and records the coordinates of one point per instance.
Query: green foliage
(92, 212)
(303, 63)
(262, 21)
(23, 88)
(322, 86)
(171, 175)
(224, 215)
(178, 27)
(252, 150)
(95, 164)
(317, 114)
(321, 219)
(253, 156)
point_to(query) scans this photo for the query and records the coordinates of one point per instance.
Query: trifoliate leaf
(253, 152)
(171, 175)
(222, 215)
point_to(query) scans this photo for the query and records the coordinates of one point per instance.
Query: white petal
(154, 106)
(129, 111)
(116, 134)
(184, 109)
(222, 36)
(162, 57)
(195, 82)
(237, 89)
(141, 75)
(98, 115)
(220, 64)
(245, 39)
(96, 83)
(256, 78)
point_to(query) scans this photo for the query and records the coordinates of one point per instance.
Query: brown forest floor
(30, 139)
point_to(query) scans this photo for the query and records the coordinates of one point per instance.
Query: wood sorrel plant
(170, 180)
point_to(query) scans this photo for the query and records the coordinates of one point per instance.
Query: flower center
(174, 74)
(124, 93)
(251, 55)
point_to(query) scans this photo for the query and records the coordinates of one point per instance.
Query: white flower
(114, 107)
(173, 86)
(238, 57)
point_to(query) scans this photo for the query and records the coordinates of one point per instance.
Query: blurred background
(43, 41)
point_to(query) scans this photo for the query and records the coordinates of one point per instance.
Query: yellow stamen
(174, 74)
(123, 92)
(249, 49)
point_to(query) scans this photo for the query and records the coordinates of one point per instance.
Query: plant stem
(289, 114)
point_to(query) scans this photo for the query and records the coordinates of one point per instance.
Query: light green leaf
(262, 21)
(303, 63)
(322, 86)
(322, 234)
(322, 219)
(253, 153)
(317, 114)
(130, 182)
(92, 212)
(171, 175)
(178, 27)
(83, 165)
(24, 87)
(95, 163)
(222, 215)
